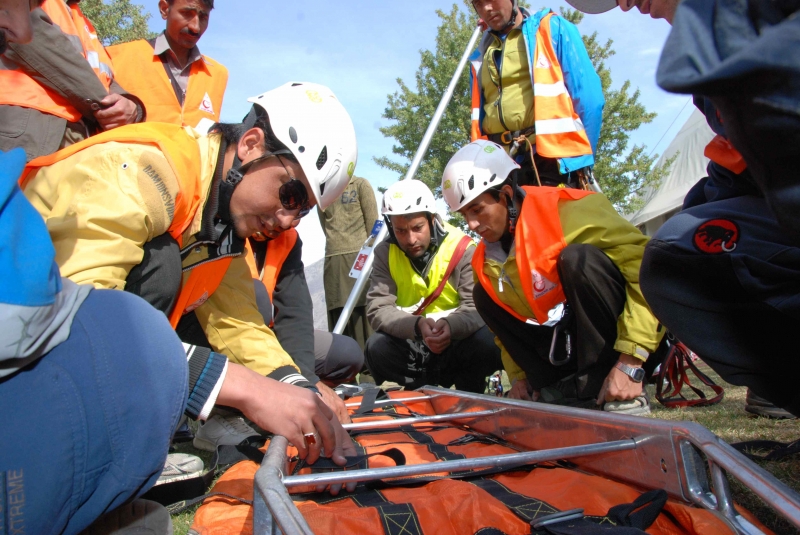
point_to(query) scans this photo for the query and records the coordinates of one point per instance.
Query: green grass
(727, 419)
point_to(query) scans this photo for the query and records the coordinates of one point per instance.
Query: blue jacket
(36, 307)
(582, 81)
(741, 57)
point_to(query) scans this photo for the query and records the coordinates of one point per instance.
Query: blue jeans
(87, 427)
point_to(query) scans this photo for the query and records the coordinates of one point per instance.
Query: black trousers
(465, 363)
(595, 292)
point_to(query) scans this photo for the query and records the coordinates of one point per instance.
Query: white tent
(690, 166)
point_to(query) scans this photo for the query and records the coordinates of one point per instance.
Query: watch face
(638, 375)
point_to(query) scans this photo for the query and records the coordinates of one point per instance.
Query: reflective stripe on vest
(180, 150)
(539, 239)
(142, 73)
(28, 93)
(412, 289)
(559, 130)
(720, 151)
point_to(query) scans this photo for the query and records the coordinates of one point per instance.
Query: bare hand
(618, 386)
(520, 390)
(115, 111)
(334, 402)
(439, 339)
(283, 409)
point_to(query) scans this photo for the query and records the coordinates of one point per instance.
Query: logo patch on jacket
(716, 236)
(541, 284)
(542, 62)
(206, 105)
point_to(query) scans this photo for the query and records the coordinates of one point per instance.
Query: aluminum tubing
(495, 461)
(383, 424)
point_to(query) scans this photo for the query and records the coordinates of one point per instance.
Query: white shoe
(180, 466)
(222, 431)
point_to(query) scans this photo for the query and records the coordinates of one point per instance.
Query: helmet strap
(514, 201)
(513, 20)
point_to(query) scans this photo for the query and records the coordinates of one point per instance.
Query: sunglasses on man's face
(293, 194)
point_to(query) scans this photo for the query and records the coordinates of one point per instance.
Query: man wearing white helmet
(534, 87)
(163, 212)
(419, 303)
(558, 273)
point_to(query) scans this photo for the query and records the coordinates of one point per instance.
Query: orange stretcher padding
(445, 506)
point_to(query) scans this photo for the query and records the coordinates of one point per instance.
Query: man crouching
(419, 304)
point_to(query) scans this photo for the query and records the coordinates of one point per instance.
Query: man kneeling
(419, 304)
(559, 284)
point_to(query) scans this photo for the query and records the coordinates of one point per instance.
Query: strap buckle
(507, 137)
(556, 518)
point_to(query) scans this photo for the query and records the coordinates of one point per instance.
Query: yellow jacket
(591, 220)
(102, 204)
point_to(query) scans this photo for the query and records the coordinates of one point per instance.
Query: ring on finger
(310, 439)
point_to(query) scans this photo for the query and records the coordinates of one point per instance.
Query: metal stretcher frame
(645, 453)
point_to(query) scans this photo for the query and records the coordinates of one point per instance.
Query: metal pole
(382, 424)
(460, 465)
(355, 293)
(389, 401)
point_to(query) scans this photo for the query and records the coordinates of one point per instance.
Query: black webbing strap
(776, 450)
(440, 451)
(368, 399)
(356, 462)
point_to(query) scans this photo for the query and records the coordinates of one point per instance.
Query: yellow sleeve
(594, 221)
(513, 371)
(234, 326)
(101, 205)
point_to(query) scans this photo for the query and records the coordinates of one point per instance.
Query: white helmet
(475, 168)
(313, 124)
(408, 197)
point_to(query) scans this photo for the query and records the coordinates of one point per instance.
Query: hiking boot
(140, 517)
(638, 406)
(179, 466)
(759, 406)
(222, 430)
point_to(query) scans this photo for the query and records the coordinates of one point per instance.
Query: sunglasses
(293, 194)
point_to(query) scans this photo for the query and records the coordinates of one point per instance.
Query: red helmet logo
(716, 236)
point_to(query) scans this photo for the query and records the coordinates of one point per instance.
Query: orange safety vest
(559, 130)
(539, 240)
(278, 250)
(720, 151)
(142, 73)
(183, 155)
(26, 92)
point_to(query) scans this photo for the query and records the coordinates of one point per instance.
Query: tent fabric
(687, 169)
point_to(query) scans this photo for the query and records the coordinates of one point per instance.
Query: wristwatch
(636, 374)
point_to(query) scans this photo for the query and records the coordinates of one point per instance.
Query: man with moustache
(177, 83)
(419, 302)
(724, 273)
(558, 284)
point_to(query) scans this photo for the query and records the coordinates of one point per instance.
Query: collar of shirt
(162, 45)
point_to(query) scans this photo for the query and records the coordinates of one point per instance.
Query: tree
(117, 21)
(622, 172)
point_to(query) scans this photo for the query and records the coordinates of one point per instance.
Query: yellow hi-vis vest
(19, 89)
(412, 289)
(559, 130)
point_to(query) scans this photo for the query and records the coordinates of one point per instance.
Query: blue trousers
(724, 277)
(87, 427)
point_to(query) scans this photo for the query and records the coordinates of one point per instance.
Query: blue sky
(360, 47)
